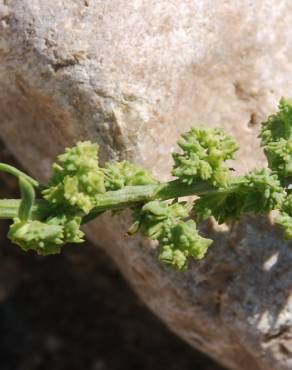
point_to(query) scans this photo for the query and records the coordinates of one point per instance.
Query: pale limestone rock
(133, 75)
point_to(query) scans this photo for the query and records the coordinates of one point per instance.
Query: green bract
(76, 179)
(204, 154)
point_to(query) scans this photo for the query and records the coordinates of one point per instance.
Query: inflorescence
(80, 190)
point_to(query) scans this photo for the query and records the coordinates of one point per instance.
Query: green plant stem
(27, 199)
(128, 196)
(9, 208)
(17, 173)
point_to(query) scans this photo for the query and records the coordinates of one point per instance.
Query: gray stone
(133, 75)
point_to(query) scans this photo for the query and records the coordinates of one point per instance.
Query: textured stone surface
(133, 75)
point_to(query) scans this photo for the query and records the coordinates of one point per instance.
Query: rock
(132, 76)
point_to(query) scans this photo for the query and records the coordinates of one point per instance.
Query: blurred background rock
(74, 311)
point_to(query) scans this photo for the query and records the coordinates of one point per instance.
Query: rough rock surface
(133, 75)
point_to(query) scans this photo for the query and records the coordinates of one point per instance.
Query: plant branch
(17, 173)
(128, 196)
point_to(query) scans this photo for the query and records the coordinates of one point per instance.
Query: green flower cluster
(205, 151)
(276, 139)
(76, 192)
(48, 236)
(179, 240)
(258, 192)
(76, 179)
(120, 174)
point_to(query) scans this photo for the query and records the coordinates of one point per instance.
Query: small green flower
(76, 179)
(157, 218)
(46, 237)
(204, 154)
(178, 239)
(120, 174)
(173, 257)
(36, 235)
